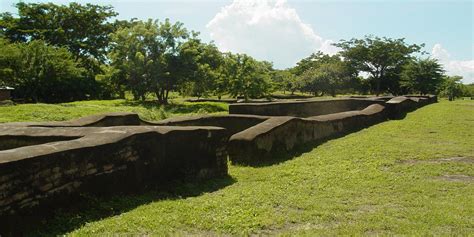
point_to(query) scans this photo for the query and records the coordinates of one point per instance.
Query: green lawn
(147, 110)
(410, 176)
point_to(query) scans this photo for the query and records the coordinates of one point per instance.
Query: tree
(452, 87)
(469, 90)
(112, 81)
(247, 77)
(377, 56)
(284, 80)
(203, 64)
(326, 78)
(147, 55)
(40, 72)
(314, 61)
(136, 57)
(325, 74)
(172, 37)
(423, 76)
(9, 62)
(82, 29)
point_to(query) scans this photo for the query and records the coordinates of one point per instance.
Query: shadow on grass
(282, 156)
(86, 209)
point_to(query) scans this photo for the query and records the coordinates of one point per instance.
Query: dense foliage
(82, 29)
(246, 77)
(56, 53)
(146, 57)
(452, 87)
(323, 74)
(379, 57)
(423, 76)
(42, 72)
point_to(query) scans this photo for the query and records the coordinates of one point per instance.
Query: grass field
(410, 176)
(147, 110)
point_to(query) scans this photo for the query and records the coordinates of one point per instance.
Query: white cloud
(267, 30)
(454, 67)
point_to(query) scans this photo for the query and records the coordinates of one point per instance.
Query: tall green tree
(314, 61)
(284, 80)
(203, 65)
(113, 82)
(324, 74)
(247, 77)
(136, 56)
(377, 56)
(469, 90)
(452, 87)
(43, 73)
(9, 62)
(422, 76)
(82, 29)
(327, 78)
(148, 57)
(172, 36)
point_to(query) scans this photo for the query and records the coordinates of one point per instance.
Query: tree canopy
(423, 76)
(377, 56)
(42, 72)
(82, 29)
(246, 77)
(452, 87)
(327, 78)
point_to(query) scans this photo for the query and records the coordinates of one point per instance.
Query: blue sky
(284, 31)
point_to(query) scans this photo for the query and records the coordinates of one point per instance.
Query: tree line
(57, 53)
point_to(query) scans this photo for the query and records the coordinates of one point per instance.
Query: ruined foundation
(41, 163)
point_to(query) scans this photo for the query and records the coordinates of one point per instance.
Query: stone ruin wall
(41, 167)
(44, 163)
(312, 121)
(303, 108)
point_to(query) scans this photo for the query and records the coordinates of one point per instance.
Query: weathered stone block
(102, 160)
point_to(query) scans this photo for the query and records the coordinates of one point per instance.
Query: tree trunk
(377, 86)
(159, 95)
(162, 95)
(165, 98)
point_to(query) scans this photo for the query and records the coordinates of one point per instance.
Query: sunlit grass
(148, 110)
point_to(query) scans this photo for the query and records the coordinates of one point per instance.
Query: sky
(285, 31)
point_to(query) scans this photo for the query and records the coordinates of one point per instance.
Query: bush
(43, 73)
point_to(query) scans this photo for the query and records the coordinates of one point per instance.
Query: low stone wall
(399, 106)
(232, 123)
(44, 163)
(64, 161)
(279, 135)
(304, 108)
(282, 134)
